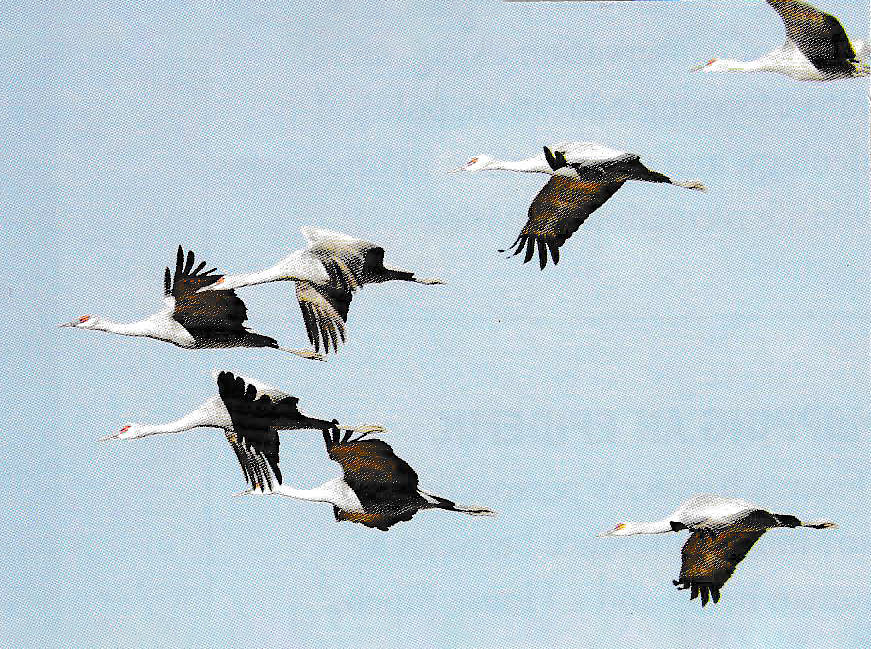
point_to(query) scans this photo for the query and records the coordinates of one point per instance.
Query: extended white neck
(764, 64)
(272, 274)
(140, 328)
(651, 527)
(337, 492)
(530, 165)
(207, 415)
(321, 494)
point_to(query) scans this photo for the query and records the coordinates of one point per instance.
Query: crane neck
(250, 279)
(207, 415)
(531, 165)
(648, 527)
(322, 494)
(139, 328)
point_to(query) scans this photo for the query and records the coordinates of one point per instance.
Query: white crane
(722, 532)
(217, 411)
(326, 272)
(190, 319)
(816, 49)
(583, 176)
(377, 489)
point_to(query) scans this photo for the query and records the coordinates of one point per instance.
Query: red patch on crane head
(709, 62)
(125, 429)
(472, 161)
(619, 527)
(220, 279)
(84, 318)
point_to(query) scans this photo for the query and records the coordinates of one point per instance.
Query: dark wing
(254, 419)
(558, 210)
(324, 312)
(209, 311)
(710, 558)
(371, 468)
(819, 36)
(254, 465)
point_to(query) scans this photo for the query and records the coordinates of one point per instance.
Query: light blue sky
(685, 343)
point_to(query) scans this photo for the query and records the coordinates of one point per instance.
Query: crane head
(621, 529)
(128, 431)
(83, 322)
(706, 67)
(477, 163)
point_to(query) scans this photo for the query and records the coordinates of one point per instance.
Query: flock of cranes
(377, 488)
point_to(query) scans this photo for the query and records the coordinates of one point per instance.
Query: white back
(711, 509)
(585, 151)
(317, 236)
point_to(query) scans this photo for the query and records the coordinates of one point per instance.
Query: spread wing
(370, 467)
(710, 558)
(558, 210)
(819, 36)
(349, 264)
(254, 437)
(324, 312)
(211, 310)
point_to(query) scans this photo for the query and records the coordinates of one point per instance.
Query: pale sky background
(686, 342)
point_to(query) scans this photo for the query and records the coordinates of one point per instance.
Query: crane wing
(819, 36)
(210, 310)
(349, 263)
(558, 211)
(710, 558)
(370, 466)
(255, 419)
(324, 312)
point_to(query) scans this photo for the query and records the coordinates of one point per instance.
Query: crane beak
(69, 324)
(453, 171)
(107, 438)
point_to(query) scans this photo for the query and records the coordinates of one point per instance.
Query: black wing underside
(199, 313)
(819, 36)
(255, 434)
(558, 210)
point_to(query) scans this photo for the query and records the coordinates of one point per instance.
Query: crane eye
(84, 318)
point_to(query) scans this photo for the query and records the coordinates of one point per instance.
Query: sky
(685, 343)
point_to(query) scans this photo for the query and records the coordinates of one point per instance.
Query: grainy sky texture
(686, 342)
